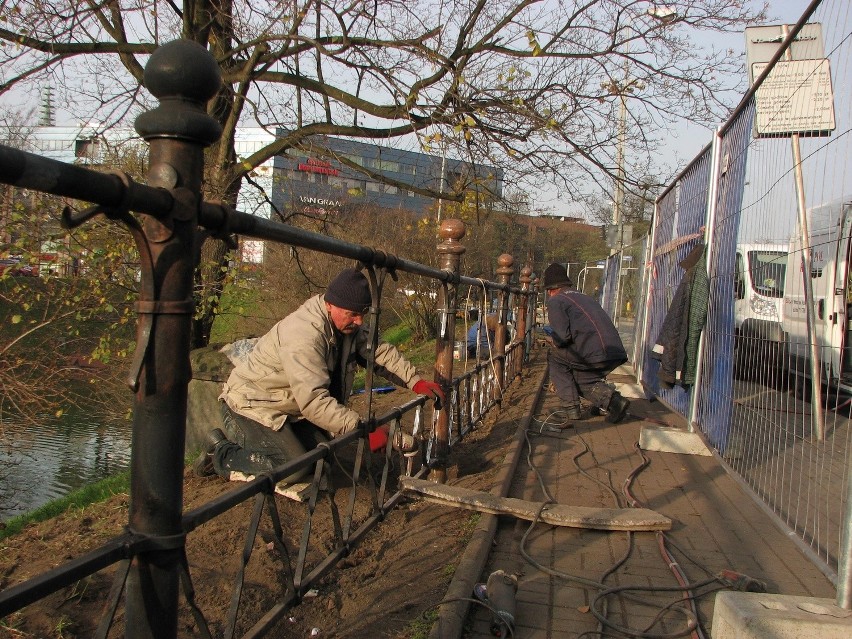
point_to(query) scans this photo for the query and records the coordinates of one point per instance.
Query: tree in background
(66, 300)
(531, 87)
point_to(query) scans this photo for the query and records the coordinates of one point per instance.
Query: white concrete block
(665, 439)
(751, 615)
(631, 391)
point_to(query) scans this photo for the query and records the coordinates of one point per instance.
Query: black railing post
(449, 252)
(532, 312)
(183, 76)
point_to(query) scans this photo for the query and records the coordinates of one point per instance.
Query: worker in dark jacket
(586, 348)
(482, 339)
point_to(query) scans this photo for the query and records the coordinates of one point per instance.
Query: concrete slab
(630, 391)
(749, 615)
(672, 440)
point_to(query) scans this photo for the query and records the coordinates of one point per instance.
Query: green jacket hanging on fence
(677, 345)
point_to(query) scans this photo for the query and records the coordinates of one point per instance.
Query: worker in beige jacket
(289, 393)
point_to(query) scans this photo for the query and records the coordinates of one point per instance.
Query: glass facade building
(335, 174)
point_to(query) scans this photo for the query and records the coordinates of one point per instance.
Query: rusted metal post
(183, 76)
(449, 251)
(504, 276)
(532, 301)
(523, 305)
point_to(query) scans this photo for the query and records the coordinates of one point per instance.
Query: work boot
(203, 465)
(617, 408)
(572, 411)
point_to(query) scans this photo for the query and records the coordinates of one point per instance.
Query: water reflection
(44, 461)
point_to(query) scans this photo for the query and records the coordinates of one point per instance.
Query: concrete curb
(451, 615)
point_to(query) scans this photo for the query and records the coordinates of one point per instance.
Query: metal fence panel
(679, 217)
(714, 387)
(789, 438)
(774, 383)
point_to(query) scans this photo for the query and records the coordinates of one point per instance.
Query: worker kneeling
(586, 348)
(288, 395)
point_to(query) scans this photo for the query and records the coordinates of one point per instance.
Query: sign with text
(796, 97)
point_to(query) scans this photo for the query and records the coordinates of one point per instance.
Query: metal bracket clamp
(147, 309)
(70, 220)
(224, 232)
(141, 542)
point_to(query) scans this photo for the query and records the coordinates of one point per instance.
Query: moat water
(44, 461)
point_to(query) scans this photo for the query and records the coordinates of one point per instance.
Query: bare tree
(65, 300)
(530, 86)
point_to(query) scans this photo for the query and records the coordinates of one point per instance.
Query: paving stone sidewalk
(562, 571)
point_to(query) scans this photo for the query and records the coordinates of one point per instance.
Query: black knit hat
(556, 276)
(349, 290)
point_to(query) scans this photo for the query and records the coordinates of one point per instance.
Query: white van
(829, 228)
(759, 279)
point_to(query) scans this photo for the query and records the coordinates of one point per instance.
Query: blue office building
(327, 178)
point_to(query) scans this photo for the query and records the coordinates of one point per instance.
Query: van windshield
(768, 269)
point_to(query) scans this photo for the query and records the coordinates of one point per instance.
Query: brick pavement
(716, 526)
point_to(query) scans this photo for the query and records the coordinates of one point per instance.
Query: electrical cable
(484, 604)
(693, 622)
(664, 540)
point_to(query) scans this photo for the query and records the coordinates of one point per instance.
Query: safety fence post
(450, 251)
(504, 276)
(183, 76)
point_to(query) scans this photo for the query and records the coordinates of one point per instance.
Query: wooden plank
(556, 514)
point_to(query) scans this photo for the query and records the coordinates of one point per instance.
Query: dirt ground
(398, 572)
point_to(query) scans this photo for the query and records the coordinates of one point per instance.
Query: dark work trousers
(573, 378)
(253, 448)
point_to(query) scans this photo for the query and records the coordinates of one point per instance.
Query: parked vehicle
(759, 291)
(759, 278)
(829, 230)
(16, 266)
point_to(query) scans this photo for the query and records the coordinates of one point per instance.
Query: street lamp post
(664, 15)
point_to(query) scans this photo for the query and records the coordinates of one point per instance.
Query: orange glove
(432, 390)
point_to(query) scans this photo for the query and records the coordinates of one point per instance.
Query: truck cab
(759, 278)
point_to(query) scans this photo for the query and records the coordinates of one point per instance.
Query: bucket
(458, 349)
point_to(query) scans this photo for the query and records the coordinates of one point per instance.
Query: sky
(687, 140)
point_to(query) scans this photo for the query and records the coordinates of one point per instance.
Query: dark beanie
(349, 290)
(556, 276)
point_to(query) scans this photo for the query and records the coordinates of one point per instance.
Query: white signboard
(796, 97)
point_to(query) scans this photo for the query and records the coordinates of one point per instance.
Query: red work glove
(378, 439)
(432, 391)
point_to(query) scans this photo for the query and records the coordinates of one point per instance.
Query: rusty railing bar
(28, 170)
(22, 594)
(31, 171)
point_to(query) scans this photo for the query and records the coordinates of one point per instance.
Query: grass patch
(421, 626)
(77, 500)
(397, 335)
(470, 526)
(237, 303)
(421, 355)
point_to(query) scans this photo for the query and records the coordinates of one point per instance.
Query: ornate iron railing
(151, 555)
